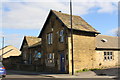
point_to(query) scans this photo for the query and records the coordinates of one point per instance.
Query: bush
(85, 69)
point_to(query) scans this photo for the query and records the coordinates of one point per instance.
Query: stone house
(56, 43)
(30, 48)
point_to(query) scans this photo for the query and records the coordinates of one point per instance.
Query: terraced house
(91, 50)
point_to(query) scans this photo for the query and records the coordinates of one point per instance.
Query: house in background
(31, 49)
(8, 53)
(107, 51)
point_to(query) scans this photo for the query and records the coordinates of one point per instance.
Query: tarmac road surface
(17, 75)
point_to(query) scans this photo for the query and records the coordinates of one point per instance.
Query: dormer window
(61, 36)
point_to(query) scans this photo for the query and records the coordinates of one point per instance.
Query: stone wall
(84, 50)
(100, 62)
(54, 25)
(24, 67)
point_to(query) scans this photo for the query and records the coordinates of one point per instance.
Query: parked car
(2, 71)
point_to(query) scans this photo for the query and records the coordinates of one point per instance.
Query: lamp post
(71, 37)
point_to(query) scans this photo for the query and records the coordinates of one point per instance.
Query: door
(62, 62)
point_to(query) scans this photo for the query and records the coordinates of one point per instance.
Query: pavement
(89, 74)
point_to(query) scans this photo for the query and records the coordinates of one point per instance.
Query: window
(108, 55)
(61, 36)
(50, 58)
(38, 55)
(49, 38)
(25, 54)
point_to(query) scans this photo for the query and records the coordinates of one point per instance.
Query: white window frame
(50, 58)
(108, 56)
(61, 39)
(49, 38)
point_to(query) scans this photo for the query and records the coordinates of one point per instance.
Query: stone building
(56, 43)
(107, 51)
(31, 49)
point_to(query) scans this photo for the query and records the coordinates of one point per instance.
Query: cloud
(23, 16)
(60, 0)
(115, 31)
(107, 7)
(32, 15)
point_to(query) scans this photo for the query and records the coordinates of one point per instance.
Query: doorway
(62, 62)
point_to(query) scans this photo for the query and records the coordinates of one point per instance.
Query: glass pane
(38, 55)
(108, 57)
(111, 57)
(105, 58)
(50, 56)
(51, 38)
(104, 53)
(53, 55)
(110, 53)
(61, 32)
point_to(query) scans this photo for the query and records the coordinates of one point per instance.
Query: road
(14, 75)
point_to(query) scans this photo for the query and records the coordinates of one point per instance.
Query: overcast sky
(21, 18)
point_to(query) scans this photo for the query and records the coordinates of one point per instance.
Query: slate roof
(107, 42)
(78, 22)
(31, 40)
(34, 45)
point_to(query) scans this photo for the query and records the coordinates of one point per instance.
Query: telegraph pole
(71, 37)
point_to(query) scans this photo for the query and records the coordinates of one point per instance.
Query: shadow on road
(108, 72)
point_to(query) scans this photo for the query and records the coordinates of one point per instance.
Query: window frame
(108, 55)
(50, 38)
(61, 35)
(50, 58)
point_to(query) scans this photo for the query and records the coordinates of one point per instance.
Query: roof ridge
(108, 36)
(64, 13)
(8, 46)
(30, 36)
